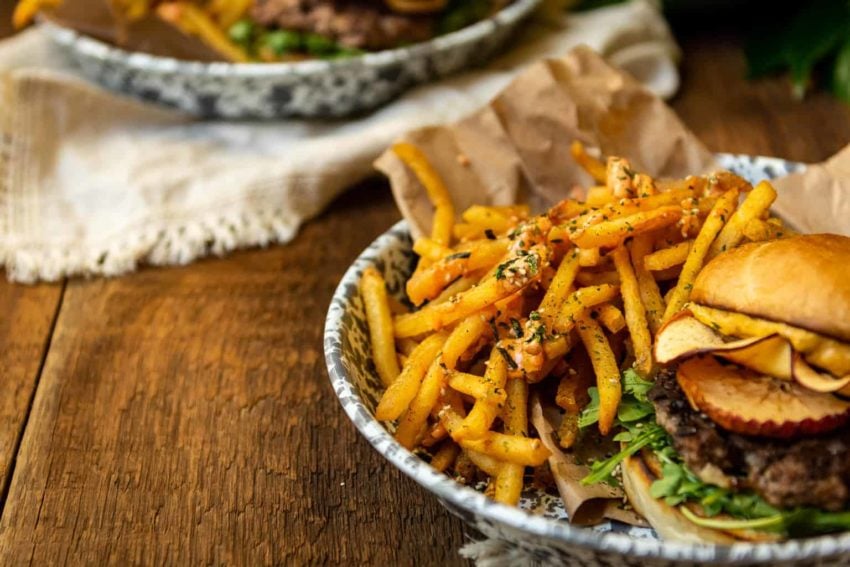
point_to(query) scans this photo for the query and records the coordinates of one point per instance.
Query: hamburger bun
(803, 281)
(665, 519)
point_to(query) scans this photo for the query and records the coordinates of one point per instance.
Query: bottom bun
(665, 519)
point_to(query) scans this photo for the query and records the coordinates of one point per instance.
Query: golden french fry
(625, 207)
(488, 404)
(514, 449)
(757, 202)
(482, 388)
(599, 196)
(486, 463)
(374, 293)
(429, 249)
(559, 287)
(568, 430)
(488, 218)
(510, 276)
(609, 234)
(611, 317)
(605, 368)
(644, 185)
(445, 456)
(635, 311)
(515, 411)
(509, 484)
(461, 284)
(192, 20)
(667, 257)
(620, 177)
(400, 393)
(650, 295)
(579, 301)
(718, 216)
(444, 210)
(757, 230)
(515, 417)
(429, 282)
(26, 10)
(588, 257)
(461, 338)
(587, 278)
(590, 164)
(566, 209)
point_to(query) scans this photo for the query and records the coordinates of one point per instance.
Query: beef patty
(361, 24)
(787, 473)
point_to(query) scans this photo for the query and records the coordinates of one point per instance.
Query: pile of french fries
(505, 301)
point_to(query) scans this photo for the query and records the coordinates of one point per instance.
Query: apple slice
(742, 401)
(807, 376)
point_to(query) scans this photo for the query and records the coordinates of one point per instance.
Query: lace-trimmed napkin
(95, 184)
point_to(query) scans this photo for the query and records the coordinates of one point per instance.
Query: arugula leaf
(590, 413)
(602, 471)
(636, 386)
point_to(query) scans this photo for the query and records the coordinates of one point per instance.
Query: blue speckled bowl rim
(477, 503)
(96, 49)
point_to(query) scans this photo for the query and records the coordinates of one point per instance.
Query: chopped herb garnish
(507, 357)
(516, 327)
(459, 256)
(490, 234)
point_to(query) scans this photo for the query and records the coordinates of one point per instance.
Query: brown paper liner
(585, 505)
(516, 149)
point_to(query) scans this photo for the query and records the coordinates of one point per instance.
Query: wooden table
(184, 415)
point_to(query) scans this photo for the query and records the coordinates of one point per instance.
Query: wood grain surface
(184, 416)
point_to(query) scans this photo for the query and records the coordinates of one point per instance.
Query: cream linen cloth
(92, 183)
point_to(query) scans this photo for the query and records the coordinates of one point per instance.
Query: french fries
(378, 315)
(606, 369)
(667, 257)
(650, 295)
(444, 211)
(508, 302)
(757, 202)
(715, 221)
(635, 312)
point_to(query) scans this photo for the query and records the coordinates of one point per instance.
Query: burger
(263, 30)
(745, 433)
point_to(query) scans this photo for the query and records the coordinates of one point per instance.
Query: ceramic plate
(539, 525)
(275, 90)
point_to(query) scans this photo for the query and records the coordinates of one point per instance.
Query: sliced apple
(742, 401)
(684, 336)
(807, 376)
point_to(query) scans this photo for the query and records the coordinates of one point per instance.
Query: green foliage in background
(815, 36)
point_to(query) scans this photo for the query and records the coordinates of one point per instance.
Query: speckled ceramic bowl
(275, 90)
(543, 533)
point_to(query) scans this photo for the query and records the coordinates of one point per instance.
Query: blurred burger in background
(262, 30)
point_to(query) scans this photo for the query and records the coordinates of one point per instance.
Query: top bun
(803, 281)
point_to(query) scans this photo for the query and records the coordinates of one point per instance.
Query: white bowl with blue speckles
(539, 524)
(317, 88)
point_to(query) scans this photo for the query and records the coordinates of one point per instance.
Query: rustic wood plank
(731, 114)
(184, 416)
(25, 325)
